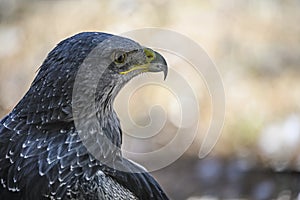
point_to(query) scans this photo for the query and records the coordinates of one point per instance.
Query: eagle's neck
(102, 132)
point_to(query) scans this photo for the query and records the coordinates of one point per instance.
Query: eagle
(63, 139)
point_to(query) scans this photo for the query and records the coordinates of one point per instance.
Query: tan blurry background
(254, 44)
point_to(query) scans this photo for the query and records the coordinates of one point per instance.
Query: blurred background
(254, 44)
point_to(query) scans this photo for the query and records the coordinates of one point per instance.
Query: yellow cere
(150, 54)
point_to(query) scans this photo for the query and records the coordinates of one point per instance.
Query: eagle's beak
(154, 63)
(157, 63)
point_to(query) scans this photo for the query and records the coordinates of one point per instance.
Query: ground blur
(254, 44)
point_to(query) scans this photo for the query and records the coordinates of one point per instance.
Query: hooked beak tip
(159, 64)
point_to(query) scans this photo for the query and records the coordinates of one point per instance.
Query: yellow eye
(120, 57)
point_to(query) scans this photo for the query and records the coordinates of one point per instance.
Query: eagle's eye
(120, 57)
